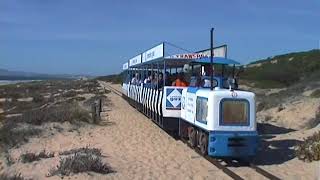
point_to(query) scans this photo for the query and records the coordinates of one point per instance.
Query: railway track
(214, 161)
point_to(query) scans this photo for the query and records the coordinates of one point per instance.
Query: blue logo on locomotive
(173, 100)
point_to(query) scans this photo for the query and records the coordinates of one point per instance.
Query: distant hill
(284, 70)
(20, 75)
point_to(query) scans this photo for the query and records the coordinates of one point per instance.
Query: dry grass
(30, 157)
(38, 98)
(17, 130)
(38, 89)
(315, 94)
(82, 160)
(85, 150)
(13, 135)
(14, 177)
(70, 112)
(309, 150)
(70, 93)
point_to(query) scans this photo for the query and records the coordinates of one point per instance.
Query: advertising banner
(217, 52)
(125, 66)
(154, 53)
(173, 100)
(135, 60)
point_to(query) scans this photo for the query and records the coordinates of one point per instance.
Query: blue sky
(97, 36)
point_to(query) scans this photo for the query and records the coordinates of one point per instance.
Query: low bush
(71, 93)
(85, 150)
(80, 98)
(261, 106)
(14, 177)
(30, 157)
(11, 135)
(315, 94)
(72, 113)
(81, 162)
(267, 118)
(38, 98)
(309, 150)
(12, 132)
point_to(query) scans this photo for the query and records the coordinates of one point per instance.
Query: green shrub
(309, 150)
(288, 69)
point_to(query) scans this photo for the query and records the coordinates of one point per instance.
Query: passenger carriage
(163, 104)
(220, 119)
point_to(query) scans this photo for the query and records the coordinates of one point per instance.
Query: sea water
(5, 82)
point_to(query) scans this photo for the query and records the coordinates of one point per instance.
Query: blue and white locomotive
(219, 119)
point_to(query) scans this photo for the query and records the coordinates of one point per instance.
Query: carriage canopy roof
(169, 55)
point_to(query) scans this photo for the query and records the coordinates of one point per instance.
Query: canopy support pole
(211, 57)
(164, 65)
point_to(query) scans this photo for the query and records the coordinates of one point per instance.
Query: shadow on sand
(269, 129)
(271, 151)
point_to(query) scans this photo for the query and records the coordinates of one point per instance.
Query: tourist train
(194, 96)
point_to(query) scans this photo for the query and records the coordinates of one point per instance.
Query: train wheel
(203, 143)
(192, 133)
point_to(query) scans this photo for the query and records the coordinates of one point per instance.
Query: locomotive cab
(220, 120)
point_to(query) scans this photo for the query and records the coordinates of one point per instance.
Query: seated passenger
(160, 81)
(168, 81)
(154, 81)
(195, 81)
(136, 79)
(148, 79)
(180, 81)
(206, 82)
(206, 76)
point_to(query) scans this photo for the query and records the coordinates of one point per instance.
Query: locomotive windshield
(234, 112)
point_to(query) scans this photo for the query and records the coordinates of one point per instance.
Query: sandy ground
(138, 149)
(276, 154)
(134, 146)
(296, 115)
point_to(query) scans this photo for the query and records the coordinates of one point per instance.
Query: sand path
(139, 149)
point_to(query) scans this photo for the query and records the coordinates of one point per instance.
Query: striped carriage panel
(148, 98)
(156, 102)
(159, 103)
(152, 99)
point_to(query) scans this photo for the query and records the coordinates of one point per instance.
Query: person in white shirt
(136, 79)
(148, 79)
